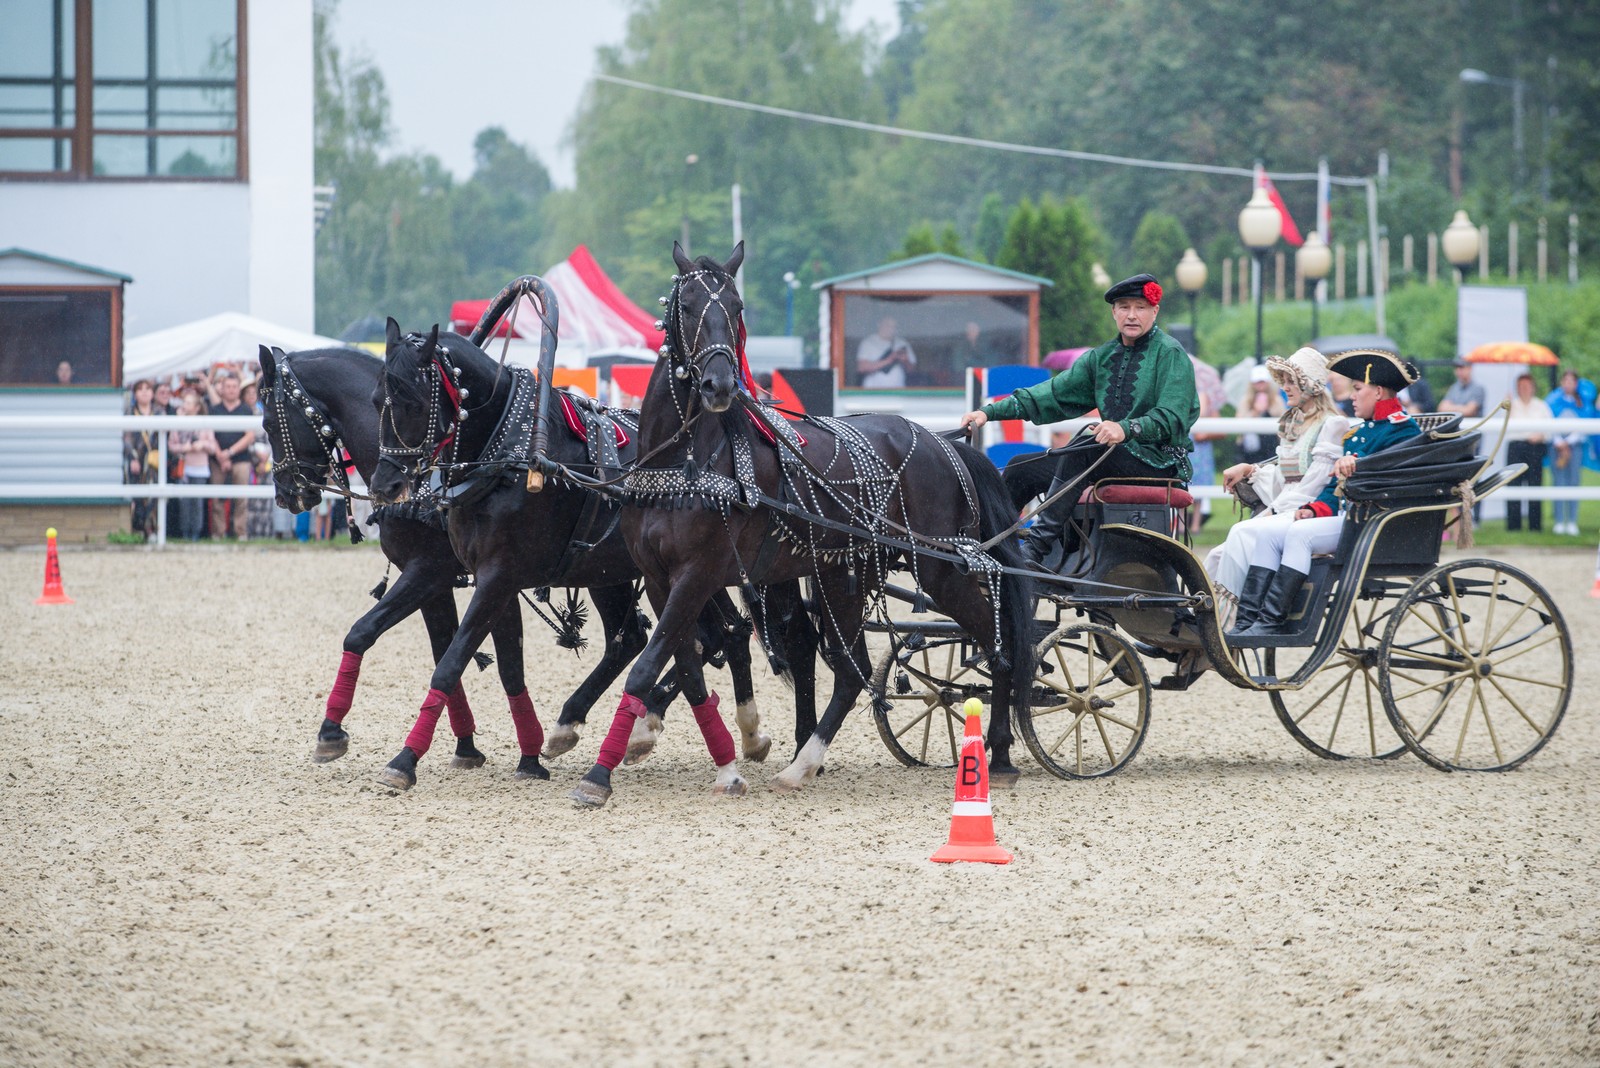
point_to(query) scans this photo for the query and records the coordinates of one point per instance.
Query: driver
(1143, 384)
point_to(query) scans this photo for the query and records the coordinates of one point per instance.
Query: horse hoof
(733, 788)
(642, 741)
(530, 768)
(459, 761)
(561, 739)
(783, 783)
(329, 749)
(590, 795)
(395, 779)
(1004, 777)
(756, 749)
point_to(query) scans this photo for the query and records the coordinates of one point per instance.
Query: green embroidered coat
(1148, 388)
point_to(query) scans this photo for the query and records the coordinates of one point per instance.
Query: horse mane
(402, 370)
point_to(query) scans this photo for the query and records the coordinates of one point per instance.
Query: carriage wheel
(928, 681)
(1091, 703)
(1339, 713)
(1476, 667)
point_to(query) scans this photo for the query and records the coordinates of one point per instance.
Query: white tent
(230, 337)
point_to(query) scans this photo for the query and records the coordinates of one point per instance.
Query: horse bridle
(289, 395)
(443, 386)
(689, 357)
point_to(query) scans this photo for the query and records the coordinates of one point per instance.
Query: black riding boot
(1048, 525)
(1256, 581)
(1278, 602)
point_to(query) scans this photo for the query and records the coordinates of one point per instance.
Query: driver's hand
(1109, 433)
(974, 420)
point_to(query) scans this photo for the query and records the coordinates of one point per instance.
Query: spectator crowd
(220, 457)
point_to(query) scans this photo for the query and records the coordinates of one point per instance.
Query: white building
(167, 143)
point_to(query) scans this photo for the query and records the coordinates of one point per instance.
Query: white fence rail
(163, 490)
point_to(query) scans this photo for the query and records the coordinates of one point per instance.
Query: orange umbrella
(1523, 352)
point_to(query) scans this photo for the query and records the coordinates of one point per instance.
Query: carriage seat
(1170, 494)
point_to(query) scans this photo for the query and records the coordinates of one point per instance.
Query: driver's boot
(1278, 602)
(1048, 525)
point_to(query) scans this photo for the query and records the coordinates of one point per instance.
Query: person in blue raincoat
(1570, 453)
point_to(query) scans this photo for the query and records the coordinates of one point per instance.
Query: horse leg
(409, 593)
(492, 598)
(439, 616)
(676, 614)
(848, 678)
(800, 643)
(754, 743)
(507, 635)
(625, 636)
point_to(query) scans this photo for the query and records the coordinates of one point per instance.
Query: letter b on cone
(971, 822)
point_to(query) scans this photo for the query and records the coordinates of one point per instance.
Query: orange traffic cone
(971, 823)
(53, 593)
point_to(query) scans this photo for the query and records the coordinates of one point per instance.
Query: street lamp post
(1460, 241)
(1191, 272)
(688, 164)
(1518, 88)
(790, 284)
(1260, 225)
(1097, 275)
(1312, 262)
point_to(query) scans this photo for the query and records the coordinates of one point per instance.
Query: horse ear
(391, 334)
(433, 341)
(732, 266)
(269, 367)
(685, 265)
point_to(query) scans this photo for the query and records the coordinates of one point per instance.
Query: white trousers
(1291, 544)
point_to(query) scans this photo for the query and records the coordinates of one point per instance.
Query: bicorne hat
(1140, 285)
(1376, 366)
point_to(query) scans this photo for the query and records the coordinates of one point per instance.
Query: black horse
(711, 510)
(512, 538)
(318, 419)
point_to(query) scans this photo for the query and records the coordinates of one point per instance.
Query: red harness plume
(452, 391)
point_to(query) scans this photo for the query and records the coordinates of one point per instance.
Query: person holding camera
(883, 358)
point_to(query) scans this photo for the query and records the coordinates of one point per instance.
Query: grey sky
(530, 58)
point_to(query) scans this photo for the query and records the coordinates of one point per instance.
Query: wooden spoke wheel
(1339, 713)
(928, 680)
(1476, 667)
(1091, 703)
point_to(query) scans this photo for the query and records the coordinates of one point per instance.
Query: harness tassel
(383, 587)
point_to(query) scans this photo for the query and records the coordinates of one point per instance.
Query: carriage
(1467, 664)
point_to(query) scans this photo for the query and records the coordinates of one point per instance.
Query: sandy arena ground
(180, 885)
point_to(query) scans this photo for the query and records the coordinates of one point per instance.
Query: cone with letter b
(53, 593)
(971, 822)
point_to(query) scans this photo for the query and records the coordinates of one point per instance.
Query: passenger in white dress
(1310, 439)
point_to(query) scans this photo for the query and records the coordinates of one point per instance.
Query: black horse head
(299, 432)
(705, 326)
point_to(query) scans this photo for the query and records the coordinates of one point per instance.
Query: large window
(58, 337)
(122, 89)
(941, 335)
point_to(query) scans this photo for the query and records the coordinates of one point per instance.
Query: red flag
(1291, 232)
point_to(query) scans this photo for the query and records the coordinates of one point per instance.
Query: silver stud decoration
(661, 301)
(661, 324)
(464, 392)
(311, 413)
(327, 431)
(663, 351)
(680, 372)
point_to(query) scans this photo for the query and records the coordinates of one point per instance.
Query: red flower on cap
(1152, 292)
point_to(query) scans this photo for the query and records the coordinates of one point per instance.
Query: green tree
(1158, 245)
(1056, 240)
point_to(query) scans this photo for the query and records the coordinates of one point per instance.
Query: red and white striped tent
(596, 316)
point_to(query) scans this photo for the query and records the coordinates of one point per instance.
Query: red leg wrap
(421, 736)
(530, 736)
(615, 746)
(461, 723)
(343, 693)
(719, 743)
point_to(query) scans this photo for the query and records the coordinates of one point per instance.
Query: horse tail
(996, 514)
